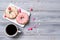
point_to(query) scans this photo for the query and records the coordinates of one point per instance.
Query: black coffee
(11, 29)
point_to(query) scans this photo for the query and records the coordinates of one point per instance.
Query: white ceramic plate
(14, 20)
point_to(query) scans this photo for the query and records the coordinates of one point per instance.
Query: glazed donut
(11, 12)
(22, 18)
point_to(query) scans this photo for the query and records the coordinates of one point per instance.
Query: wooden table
(47, 20)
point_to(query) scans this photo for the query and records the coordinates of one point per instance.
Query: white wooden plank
(40, 6)
(47, 11)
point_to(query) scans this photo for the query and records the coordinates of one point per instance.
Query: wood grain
(47, 19)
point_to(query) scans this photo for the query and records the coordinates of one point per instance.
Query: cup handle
(19, 31)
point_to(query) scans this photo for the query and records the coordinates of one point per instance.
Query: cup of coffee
(11, 30)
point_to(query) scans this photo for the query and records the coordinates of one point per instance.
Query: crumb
(34, 26)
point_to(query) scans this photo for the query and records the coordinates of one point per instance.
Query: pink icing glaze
(22, 18)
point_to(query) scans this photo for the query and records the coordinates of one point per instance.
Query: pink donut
(22, 18)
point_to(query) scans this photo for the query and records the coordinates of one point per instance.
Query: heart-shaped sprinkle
(31, 9)
(19, 10)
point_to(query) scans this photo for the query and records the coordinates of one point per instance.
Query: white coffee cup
(13, 32)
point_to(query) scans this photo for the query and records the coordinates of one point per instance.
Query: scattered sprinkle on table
(31, 9)
(30, 28)
(9, 8)
(19, 10)
(33, 19)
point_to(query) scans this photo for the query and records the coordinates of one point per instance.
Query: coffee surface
(11, 29)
